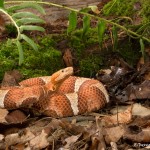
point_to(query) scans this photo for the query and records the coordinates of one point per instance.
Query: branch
(13, 21)
(86, 14)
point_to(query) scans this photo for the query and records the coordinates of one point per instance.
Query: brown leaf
(141, 91)
(1, 137)
(3, 114)
(114, 134)
(19, 147)
(120, 118)
(39, 141)
(143, 136)
(11, 78)
(2, 24)
(137, 110)
(147, 76)
(17, 138)
(71, 140)
(142, 122)
(102, 3)
(16, 116)
(67, 57)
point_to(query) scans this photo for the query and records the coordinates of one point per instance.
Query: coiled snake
(59, 95)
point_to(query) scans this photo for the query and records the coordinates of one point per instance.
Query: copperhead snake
(59, 95)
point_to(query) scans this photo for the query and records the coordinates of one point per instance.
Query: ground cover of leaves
(123, 124)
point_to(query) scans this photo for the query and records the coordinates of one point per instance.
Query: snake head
(61, 75)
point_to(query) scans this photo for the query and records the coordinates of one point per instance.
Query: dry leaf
(143, 136)
(1, 137)
(3, 114)
(102, 3)
(11, 78)
(67, 57)
(121, 118)
(147, 76)
(143, 122)
(2, 24)
(114, 134)
(19, 147)
(141, 91)
(137, 110)
(16, 116)
(16, 138)
(94, 9)
(39, 141)
(71, 140)
(140, 110)
(113, 146)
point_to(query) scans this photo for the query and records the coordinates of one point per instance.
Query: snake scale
(59, 95)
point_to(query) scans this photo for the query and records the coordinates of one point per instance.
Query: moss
(130, 51)
(117, 7)
(126, 8)
(145, 11)
(44, 62)
(90, 65)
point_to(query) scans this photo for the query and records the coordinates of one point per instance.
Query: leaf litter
(123, 123)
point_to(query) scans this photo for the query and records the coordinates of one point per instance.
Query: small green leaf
(72, 22)
(28, 21)
(101, 31)
(21, 57)
(86, 10)
(26, 5)
(115, 37)
(2, 3)
(24, 15)
(94, 9)
(29, 41)
(142, 48)
(86, 25)
(31, 28)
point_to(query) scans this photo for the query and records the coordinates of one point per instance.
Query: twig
(86, 14)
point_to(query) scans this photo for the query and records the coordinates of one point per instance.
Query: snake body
(59, 95)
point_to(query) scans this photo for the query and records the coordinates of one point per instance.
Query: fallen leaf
(102, 3)
(143, 122)
(71, 140)
(143, 136)
(19, 147)
(95, 141)
(1, 137)
(140, 110)
(94, 9)
(17, 138)
(16, 116)
(11, 78)
(3, 114)
(67, 57)
(113, 134)
(120, 118)
(113, 145)
(2, 24)
(39, 141)
(141, 91)
(137, 110)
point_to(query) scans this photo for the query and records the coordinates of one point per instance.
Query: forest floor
(123, 124)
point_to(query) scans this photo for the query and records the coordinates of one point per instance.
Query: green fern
(72, 22)
(22, 21)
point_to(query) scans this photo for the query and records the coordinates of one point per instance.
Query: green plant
(22, 21)
(36, 63)
(90, 65)
(115, 23)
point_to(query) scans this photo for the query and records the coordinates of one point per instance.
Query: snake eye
(62, 71)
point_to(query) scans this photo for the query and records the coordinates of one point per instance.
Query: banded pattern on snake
(59, 95)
